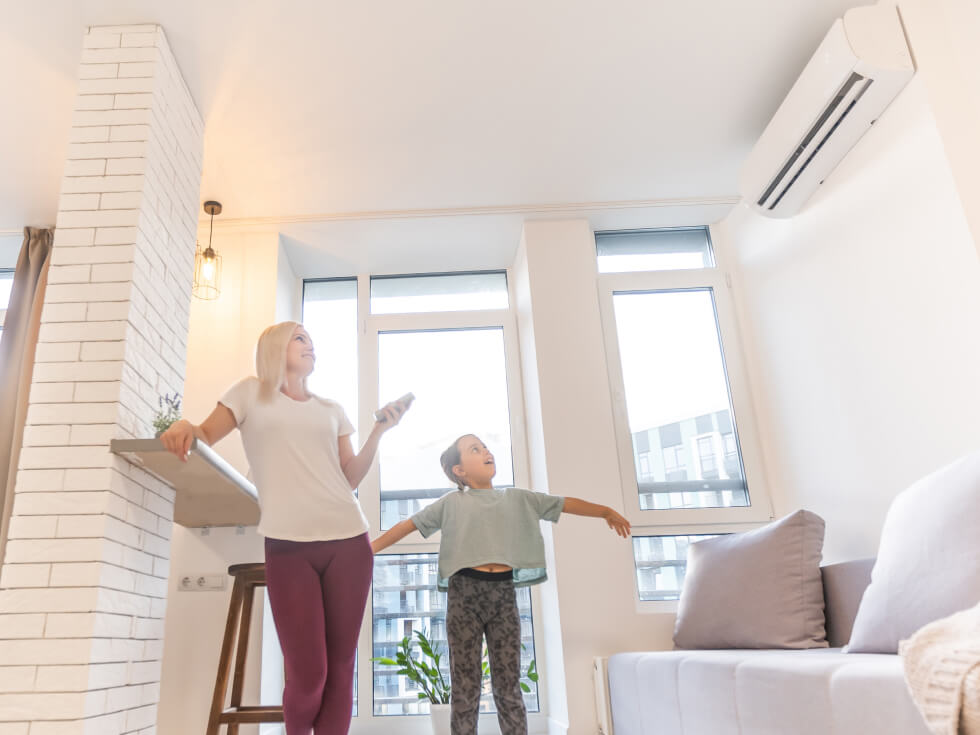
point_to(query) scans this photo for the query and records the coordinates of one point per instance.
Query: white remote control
(405, 400)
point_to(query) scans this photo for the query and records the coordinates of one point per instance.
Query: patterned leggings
(478, 607)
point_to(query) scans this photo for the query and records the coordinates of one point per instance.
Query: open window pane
(449, 292)
(654, 250)
(661, 562)
(405, 600)
(685, 443)
(459, 380)
(330, 316)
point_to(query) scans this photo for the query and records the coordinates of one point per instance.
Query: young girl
(491, 543)
(318, 559)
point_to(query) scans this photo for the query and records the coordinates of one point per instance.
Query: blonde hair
(270, 358)
(452, 457)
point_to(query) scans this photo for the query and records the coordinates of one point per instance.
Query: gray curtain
(17, 347)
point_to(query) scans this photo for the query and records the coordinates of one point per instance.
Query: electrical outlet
(203, 582)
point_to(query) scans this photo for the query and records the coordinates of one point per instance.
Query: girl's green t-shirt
(491, 526)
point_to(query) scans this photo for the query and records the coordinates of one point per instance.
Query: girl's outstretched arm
(394, 534)
(579, 507)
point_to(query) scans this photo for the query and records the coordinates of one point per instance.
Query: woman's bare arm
(214, 428)
(356, 466)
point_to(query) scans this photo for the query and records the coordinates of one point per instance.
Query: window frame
(370, 326)
(681, 521)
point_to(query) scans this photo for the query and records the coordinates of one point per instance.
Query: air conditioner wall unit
(859, 68)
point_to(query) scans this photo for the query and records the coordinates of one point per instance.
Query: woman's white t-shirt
(294, 461)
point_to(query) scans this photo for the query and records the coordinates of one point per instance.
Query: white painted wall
(221, 350)
(862, 317)
(943, 37)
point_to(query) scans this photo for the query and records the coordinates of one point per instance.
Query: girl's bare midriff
(493, 568)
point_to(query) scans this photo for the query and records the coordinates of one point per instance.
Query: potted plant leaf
(427, 675)
(168, 413)
(530, 675)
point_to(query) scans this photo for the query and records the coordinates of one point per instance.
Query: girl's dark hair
(449, 459)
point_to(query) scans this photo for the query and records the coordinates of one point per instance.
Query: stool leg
(224, 661)
(238, 681)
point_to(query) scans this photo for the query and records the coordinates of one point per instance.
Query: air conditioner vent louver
(859, 68)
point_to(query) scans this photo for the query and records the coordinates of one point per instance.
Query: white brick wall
(84, 579)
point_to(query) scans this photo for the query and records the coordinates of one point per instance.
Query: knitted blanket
(942, 669)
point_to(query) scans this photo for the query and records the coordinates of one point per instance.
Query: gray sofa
(819, 691)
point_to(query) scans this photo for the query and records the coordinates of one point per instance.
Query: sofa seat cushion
(760, 692)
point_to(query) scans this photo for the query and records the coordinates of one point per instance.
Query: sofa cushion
(928, 564)
(809, 692)
(844, 584)
(758, 589)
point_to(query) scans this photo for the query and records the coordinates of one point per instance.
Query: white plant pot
(439, 716)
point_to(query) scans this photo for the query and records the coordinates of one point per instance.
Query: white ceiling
(322, 115)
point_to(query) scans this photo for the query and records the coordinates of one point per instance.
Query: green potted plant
(428, 676)
(168, 412)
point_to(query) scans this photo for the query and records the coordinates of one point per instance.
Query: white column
(84, 579)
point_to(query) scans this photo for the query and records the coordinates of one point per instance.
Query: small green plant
(427, 675)
(168, 413)
(531, 674)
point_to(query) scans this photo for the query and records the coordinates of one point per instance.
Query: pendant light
(207, 263)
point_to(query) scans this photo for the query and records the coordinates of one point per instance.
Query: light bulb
(207, 269)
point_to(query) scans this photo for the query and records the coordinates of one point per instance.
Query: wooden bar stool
(247, 578)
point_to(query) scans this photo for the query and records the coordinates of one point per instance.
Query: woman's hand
(178, 438)
(617, 522)
(393, 413)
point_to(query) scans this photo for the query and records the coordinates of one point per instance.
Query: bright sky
(460, 385)
(672, 366)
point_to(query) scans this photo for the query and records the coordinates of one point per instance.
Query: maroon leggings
(317, 592)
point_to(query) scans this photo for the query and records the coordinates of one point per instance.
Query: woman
(317, 553)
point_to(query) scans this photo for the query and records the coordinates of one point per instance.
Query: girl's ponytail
(449, 459)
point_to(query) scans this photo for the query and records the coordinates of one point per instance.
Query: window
(661, 562)
(654, 250)
(644, 460)
(376, 339)
(706, 455)
(406, 599)
(677, 384)
(6, 284)
(440, 292)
